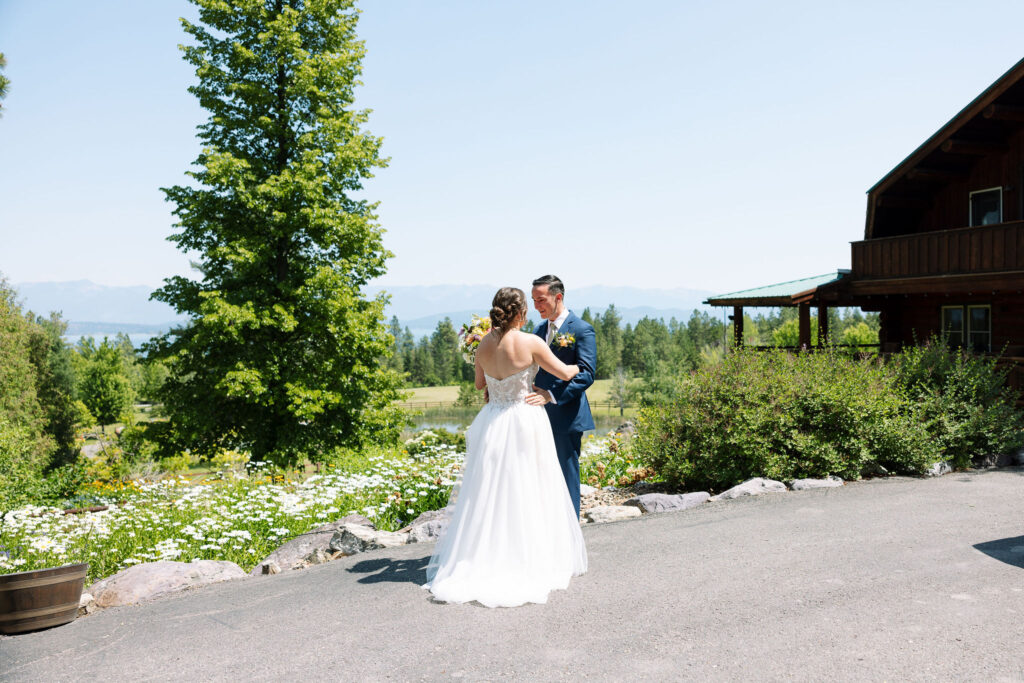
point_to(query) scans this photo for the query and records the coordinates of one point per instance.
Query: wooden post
(804, 311)
(737, 326)
(822, 325)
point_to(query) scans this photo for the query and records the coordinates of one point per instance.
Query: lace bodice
(513, 388)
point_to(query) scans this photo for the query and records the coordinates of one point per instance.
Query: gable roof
(982, 122)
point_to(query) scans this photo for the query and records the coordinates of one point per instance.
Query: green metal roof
(780, 294)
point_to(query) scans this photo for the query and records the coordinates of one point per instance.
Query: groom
(574, 343)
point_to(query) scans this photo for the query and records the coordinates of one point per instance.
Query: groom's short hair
(554, 284)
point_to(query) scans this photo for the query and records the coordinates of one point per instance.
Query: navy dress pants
(568, 446)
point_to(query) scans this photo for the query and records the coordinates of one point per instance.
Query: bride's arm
(479, 381)
(544, 357)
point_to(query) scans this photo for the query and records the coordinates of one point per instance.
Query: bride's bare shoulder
(530, 337)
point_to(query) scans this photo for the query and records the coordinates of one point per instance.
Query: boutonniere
(565, 341)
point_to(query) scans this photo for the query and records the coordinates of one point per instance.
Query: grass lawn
(598, 393)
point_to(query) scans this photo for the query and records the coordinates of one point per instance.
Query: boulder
(664, 502)
(587, 490)
(154, 579)
(626, 427)
(985, 462)
(803, 484)
(751, 487)
(271, 568)
(873, 469)
(611, 513)
(938, 469)
(318, 556)
(354, 538)
(292, 553)
(86, 604)
(428, 527)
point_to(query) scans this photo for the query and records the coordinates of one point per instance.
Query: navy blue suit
(570, 415)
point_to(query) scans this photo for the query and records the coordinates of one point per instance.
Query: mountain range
(94, 309)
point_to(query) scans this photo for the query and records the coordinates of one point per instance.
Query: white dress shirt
(553, 327)
(556, 324)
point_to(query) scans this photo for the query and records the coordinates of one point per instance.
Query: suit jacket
(571, 413)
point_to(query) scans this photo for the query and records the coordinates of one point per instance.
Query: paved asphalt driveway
(897, 579)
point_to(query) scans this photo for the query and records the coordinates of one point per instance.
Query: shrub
(227, 459)
(109, 464)
(138, 447)
(963, 400)
(427, 440)
(175, 464)
(782, 416)
(611, 461)
(469, 395)
(21, 464)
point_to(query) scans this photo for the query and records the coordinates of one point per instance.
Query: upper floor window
(987, 206)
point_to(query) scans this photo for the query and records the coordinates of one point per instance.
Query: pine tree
(444, 347)
(609, 342)
(395, 362)
(4, 81)
(281, 354)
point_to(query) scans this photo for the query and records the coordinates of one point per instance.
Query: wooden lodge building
(943, 247)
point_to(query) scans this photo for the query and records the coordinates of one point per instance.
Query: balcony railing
(985, 249)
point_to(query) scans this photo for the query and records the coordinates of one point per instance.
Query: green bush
(469, 395)
(137, 445)
(962, 399)
(782, 416)
(425, 441)
(21, 464)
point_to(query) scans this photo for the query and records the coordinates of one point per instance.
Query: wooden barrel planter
(40, 598)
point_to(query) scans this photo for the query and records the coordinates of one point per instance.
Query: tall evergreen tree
(609, 342)
(281, 352)
(444, 346)
(395, 362)
(423, 374)
(4, 81)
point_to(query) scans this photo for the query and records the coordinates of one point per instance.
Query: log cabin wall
(949, 206)
(910, 318)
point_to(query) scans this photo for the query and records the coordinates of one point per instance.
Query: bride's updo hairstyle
(508, 304)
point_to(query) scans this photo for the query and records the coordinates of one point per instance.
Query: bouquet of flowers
(470, 336)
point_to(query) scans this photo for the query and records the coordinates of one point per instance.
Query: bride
(512, 534)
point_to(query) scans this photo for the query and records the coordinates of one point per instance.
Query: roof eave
(976, 106)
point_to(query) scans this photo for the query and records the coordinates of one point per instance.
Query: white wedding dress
(512, 534)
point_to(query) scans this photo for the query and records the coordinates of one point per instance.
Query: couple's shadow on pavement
(1008, 550)
(392, 571)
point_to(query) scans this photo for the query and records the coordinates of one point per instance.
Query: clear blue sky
(659, 143)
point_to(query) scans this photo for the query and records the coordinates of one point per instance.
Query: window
(953, 325)
(987, 206)
(979, 328)
(968, 326)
